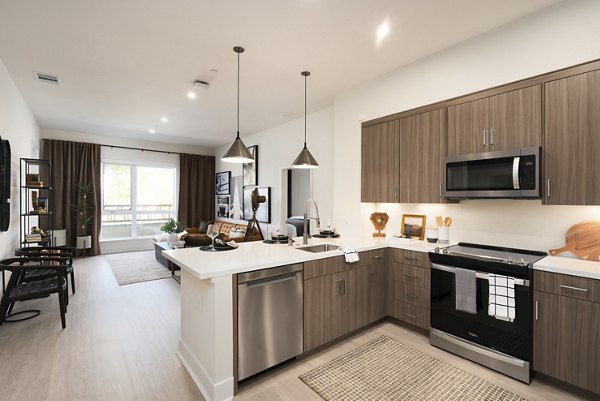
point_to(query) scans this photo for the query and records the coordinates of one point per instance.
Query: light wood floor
(120, 344)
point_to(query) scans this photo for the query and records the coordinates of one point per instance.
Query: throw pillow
(203, 227)
(237, 232)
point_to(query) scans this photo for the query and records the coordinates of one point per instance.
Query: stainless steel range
(481, 305)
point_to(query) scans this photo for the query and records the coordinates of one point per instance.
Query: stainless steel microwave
(513, 173)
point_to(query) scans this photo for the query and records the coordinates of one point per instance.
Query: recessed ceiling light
(152, 131)
(164, 119)
(191, 95)
(382, 31)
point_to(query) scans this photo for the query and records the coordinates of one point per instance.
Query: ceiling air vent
(47, 78)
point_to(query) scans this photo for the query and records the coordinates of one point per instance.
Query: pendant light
(305, 159)
(238, 152)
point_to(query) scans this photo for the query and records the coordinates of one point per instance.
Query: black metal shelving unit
(33, 215)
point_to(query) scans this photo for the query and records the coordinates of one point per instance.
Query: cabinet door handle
(548, 187)
(338, 288)
(441, 195)
(395, 191)
(377, 257)
(412, 259)
(492, 136)
(411, 316)
(568, 287)
(537, 312)
(343, 287)
(485, 134)
(409, 276)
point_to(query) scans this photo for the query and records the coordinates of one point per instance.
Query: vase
(84, 242)
(173, 238)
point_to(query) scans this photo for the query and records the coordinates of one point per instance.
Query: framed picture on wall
(222, 183)
(263, 214)
(250, 170)
(223, 205)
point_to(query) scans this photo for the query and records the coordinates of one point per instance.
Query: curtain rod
(142, 149)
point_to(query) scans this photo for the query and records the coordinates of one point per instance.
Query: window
(136, 199)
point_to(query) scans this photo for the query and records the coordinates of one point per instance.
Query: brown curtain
(196, 189)
(72, 163)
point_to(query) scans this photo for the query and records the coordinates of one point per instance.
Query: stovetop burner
(477, 255)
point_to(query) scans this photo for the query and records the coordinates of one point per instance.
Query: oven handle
(481, 275)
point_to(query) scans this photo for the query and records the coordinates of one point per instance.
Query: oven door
(511, 338)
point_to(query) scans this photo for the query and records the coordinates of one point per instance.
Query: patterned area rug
(136, 267)
(384, 369)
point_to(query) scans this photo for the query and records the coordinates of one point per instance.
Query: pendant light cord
(305, 110)
(238, 97)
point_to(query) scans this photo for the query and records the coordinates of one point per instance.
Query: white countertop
(258, 255)
(570, 266)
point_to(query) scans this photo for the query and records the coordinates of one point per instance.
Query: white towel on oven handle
(501, 297)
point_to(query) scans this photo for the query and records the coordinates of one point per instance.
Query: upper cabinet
(402, 159)
(380, 175)
(508, 120)
(572, 140)
(422, 144)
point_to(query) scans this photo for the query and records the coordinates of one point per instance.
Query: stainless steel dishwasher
(270, 318)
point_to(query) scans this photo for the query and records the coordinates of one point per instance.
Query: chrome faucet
(306, 218)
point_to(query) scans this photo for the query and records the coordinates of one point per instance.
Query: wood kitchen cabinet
(402, 159)
(422, 152)
(566, 338)
(572, 140)
(409, 287)
(341, 297)
(380, 174)
(504, 121)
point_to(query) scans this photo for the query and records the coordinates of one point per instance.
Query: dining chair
(18, 290)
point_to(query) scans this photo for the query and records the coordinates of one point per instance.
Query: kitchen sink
(319, 248)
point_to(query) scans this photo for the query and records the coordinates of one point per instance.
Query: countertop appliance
(498, 342)
(513, 173)
(270, 318)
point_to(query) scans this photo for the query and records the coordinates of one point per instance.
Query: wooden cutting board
(583, 240)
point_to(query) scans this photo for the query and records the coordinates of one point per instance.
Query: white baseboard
(222, 391)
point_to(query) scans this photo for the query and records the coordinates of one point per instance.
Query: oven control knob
(436, 249)
(510, 260)
(522, 262)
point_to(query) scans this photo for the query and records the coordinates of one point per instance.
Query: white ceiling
(124, 64)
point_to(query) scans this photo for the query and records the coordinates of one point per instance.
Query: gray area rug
(384, 369)
(136, 267)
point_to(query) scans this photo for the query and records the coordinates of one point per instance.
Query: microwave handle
(515, 175)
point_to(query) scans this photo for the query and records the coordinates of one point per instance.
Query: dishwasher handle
(268, 281)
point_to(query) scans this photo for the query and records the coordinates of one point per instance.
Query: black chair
(18, 290)
(48, 251)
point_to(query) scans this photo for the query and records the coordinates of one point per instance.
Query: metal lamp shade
(238, 153)
(305, 160)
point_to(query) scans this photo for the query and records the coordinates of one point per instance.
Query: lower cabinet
(566, 331)
(409, 287)
(338, 302)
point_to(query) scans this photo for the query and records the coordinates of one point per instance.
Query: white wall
(132, 156)
(557, 37)
(18, 126)
(277, 149)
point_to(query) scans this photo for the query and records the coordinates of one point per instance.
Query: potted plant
(172, 227)
(84, 241)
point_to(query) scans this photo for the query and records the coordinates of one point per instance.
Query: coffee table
(165, 246)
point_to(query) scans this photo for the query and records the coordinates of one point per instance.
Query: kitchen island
(206, 346)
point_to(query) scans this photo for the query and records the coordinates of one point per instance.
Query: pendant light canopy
(305, 159)
(238, 152)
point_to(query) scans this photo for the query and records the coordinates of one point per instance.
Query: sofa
(196, 236)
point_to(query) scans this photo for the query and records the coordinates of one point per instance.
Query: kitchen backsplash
(503, 222)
